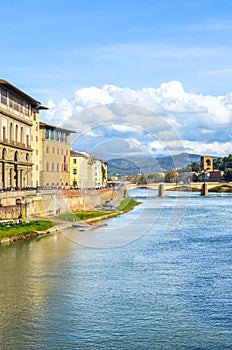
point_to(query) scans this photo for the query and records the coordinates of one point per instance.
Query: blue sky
(60, 51)
(51, 48)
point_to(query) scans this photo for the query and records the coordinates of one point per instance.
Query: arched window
(58, 167)
(47, 167)
(21, 135)
(27, 141)
(53, 167)
(16, 132)
(27, 157)
(4, 153)
(16, 156)
(4, 138)
(11, 132)
(46, 134)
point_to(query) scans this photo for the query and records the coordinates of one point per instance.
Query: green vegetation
(24, 228)
(221, 189)
(127, 204)
(82, 215)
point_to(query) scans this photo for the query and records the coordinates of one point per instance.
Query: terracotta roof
(22, 94)
(44, 125)
(78, 154)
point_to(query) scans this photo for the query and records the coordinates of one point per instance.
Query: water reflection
(165, 290)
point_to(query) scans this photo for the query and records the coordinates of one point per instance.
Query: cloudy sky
(163, 62)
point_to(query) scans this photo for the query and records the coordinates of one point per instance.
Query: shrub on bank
(127, 204)
(24, 228)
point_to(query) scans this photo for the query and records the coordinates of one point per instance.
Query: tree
(196, 167)
(155, 177)
(171, 176)
(228, 174)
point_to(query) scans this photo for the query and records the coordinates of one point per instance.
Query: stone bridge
(202, 187)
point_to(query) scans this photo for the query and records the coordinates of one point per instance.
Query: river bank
(30, 229)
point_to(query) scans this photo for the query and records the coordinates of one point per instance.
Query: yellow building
(80, 170)
(55, 156)
(87, 171)
(19, 137)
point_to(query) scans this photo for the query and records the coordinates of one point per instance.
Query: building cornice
(12, 116)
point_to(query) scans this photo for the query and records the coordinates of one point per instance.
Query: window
(74, 171)
(11, 102)
(57, 167)
(21, 106)
(26, 108)
(74, 161)
(4, 153)
(16, 103)
(46, 134)
(52, 167)
(47, 150)
(56, 136)
(21, 135)
(27, 141)
(47, 167)
(11, 132)
(3, 96)
(16, 133)
(4, 133)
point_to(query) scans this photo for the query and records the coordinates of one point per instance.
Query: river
(158, 277)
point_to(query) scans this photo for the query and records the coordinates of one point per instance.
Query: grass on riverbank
(83, 215)
(127, 204)
(30, 229)
(24, 228)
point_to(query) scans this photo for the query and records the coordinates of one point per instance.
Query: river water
(158, 277)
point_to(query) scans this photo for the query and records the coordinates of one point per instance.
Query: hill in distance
(149, 165)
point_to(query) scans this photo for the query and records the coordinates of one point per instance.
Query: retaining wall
(53, 202)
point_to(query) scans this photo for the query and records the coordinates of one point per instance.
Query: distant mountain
(121, 166)
(149, 165)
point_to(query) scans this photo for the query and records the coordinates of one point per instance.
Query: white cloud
(167, 112)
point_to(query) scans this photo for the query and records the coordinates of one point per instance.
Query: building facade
(87, 171)
(99, 173)
(19, 135)
(80, 170)
(54, 156)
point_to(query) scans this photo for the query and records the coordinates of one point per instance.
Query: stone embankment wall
(53, 202)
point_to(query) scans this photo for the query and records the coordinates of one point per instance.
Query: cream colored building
(99, 173)
(80, 170)
(19, 138)
(55, 156)
(87, 171)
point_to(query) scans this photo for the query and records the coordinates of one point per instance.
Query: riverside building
(55, 156)
(87, 171)
(19, 138)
